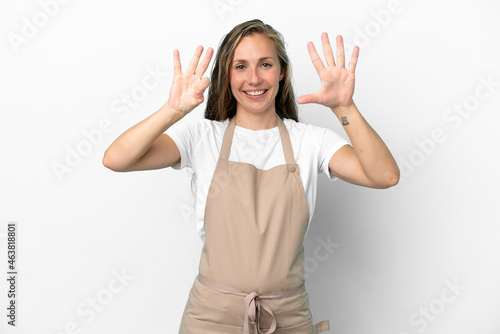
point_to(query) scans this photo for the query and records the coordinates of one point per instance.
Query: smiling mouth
(256, 92)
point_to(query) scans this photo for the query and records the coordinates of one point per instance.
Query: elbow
(108, 162)
(385, 179)
(111, 163)
(391, 178)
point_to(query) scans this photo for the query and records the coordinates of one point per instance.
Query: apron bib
(251, 272)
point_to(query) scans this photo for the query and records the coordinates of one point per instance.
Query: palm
(187, 89)
(186, 92)
(337, 82)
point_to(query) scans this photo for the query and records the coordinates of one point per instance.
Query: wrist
(343, 110)
(167, 109)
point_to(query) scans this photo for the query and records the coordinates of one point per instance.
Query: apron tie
(253, 303)
(253, 307)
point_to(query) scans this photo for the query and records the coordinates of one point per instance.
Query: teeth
(260, 92)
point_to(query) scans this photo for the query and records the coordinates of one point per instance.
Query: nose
(254, 77)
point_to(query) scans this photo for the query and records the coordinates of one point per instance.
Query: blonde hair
(221, 103)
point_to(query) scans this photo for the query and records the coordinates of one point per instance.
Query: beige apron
(252, 263)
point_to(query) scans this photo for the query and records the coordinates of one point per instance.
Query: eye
(239, 67)
(266, 65)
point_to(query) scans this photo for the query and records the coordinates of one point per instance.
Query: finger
(177, 63)
(340, 51)
(354, 59)
(194, 61)
(309, 98)
(205, 62)
(327, 50)
(318, 64)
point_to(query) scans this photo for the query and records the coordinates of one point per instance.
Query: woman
(255, 172)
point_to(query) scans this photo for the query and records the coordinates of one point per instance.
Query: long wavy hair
(221, 103)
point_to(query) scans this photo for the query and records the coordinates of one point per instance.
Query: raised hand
(187, 89)
(337, 82)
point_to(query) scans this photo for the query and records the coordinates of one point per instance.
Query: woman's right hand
(187, 89)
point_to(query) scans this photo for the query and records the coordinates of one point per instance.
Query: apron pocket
(190, 325)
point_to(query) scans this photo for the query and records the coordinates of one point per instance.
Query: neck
(256, 121)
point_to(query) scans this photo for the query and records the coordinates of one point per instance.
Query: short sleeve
(182, 135)
(329, 143)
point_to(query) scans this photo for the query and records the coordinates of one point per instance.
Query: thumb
(203, 85)
(309, 98)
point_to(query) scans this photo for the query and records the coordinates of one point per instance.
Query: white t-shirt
(199, 144)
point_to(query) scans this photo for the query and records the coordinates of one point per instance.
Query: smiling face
(255, 74)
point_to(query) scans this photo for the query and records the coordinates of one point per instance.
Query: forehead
(254, 47)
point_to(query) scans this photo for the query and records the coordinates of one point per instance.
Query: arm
(145, 146)
(368, 162)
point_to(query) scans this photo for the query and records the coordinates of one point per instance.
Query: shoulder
(304, 130)
(206, 123)
(295, 126)
(322, 138)
(197, 127)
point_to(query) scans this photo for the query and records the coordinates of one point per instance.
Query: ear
(282, 73)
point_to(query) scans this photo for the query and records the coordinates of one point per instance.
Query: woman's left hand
(337, 82)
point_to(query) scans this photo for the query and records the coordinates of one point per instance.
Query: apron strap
(286, 142)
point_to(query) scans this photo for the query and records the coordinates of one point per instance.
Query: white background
(396, 249)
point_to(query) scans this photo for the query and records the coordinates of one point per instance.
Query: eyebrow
(244, 61)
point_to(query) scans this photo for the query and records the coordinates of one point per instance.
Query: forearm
(374, 156)
(131, 145)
